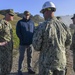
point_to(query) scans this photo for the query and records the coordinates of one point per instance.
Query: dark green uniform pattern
(51, 38)
(6, 50)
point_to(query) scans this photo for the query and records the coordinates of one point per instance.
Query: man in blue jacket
(24, 31)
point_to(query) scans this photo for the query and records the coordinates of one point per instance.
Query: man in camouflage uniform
(6, 44)
(72, 28)
(51, 38)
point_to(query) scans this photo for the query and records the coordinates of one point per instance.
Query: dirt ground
(24, 68)
(70, 63)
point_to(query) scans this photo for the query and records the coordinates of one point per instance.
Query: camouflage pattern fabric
(73, 49)
(6, 50)
(51, 38)
(72, 28)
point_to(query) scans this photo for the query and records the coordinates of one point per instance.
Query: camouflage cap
(73, 16)
(11, 12)
(26, 12)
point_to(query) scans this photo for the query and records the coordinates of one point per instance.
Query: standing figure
(24, 30)
(6, 43)
(51, 38)
(72, 28)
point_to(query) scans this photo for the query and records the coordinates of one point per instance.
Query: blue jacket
(24, 30)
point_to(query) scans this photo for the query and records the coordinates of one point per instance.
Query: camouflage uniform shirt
(72, 28)
(5, 31)
(6, 50)
(51, 38)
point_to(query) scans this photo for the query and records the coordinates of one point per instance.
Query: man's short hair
(26, 12)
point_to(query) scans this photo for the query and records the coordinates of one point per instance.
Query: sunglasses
(48, 9)
(11, 15)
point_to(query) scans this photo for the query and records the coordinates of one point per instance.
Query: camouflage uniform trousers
(74, 60)
(46, 71)
(5, 59)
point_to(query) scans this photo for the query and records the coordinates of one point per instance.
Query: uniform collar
(54, 18)
(5, 21)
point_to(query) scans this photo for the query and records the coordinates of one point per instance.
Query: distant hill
(3, 12)
(35, 18)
